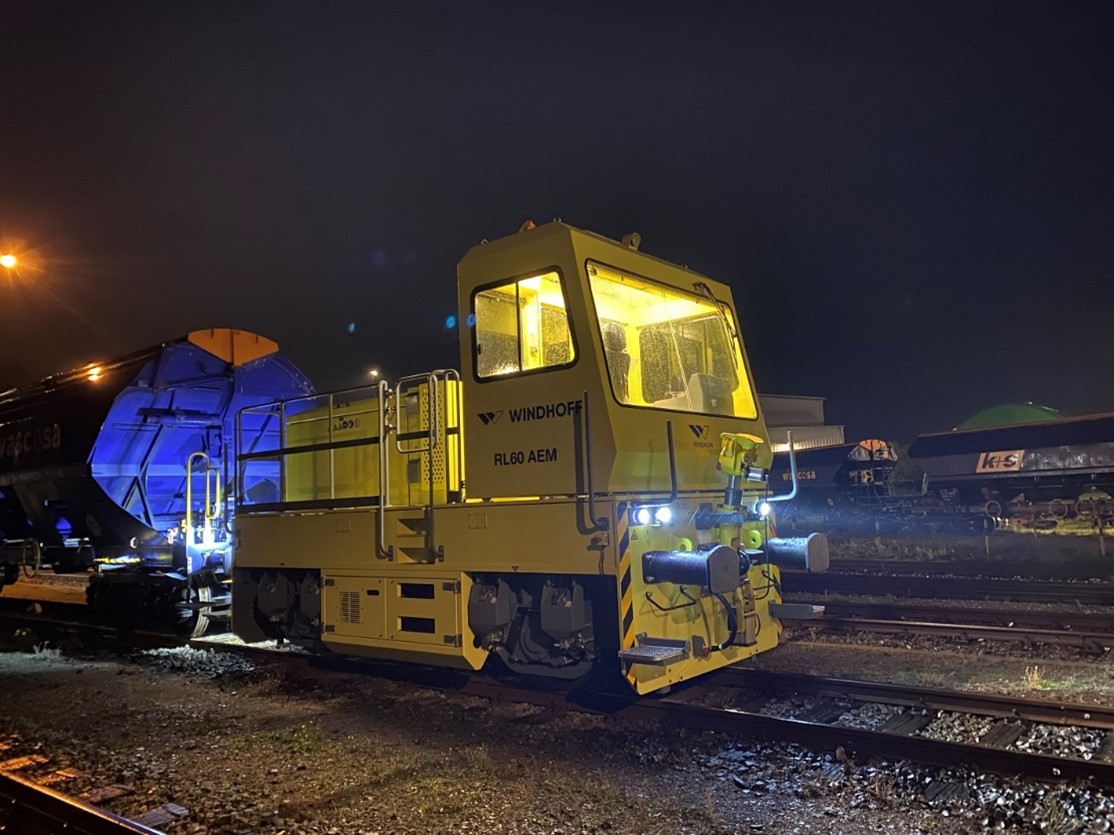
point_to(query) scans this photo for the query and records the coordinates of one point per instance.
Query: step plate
(651, 654)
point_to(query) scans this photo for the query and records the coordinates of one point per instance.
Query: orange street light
(8, 261)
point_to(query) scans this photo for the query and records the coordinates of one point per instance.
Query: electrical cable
(732, 624)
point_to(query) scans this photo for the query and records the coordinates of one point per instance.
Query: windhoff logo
(18, 444)
(543, 411)
(702, 434)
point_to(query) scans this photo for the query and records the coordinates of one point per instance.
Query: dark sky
(913, 202)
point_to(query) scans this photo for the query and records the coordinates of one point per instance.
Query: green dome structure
(1010, 414)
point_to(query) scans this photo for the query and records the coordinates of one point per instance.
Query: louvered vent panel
(349, 607)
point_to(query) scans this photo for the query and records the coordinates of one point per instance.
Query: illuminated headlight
(764, 509)
(651, 514)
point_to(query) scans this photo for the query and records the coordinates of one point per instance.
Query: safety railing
(315, 451)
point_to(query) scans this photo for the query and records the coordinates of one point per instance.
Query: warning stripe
(626, 593)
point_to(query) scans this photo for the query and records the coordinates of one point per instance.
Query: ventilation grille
(349, 607)
(438, 455)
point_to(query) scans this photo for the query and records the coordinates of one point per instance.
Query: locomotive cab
(585, 493)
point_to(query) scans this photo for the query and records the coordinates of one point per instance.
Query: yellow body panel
(397, 614)
(350, 470)
(493, 537)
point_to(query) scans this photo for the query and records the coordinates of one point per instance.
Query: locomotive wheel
(1059, 508)
(192, 622)
(32, 561)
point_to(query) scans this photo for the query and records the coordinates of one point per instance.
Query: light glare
(8, 261)
(664, 515)
(764, 509)
(642, 516)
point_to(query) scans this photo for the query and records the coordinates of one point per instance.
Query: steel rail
(1040, 618)
(26, 807)
(1095, 568)
(955, 588)
(964, 631)
(933, 698)
(858, 742)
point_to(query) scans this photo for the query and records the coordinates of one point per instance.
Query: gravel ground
(248, 749)
(957, 603)
(880, 658)
(1038, 653)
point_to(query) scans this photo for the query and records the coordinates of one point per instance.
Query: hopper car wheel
(32, 558)
(193, 623)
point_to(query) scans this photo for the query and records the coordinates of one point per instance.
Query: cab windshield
(669, 349)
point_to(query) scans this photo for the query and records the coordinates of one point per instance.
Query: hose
(732, 624)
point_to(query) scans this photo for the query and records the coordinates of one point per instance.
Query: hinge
(451, 585)
(330, 628)
(453, 640)
(329, 581)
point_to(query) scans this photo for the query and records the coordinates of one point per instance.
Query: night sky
(913, 202)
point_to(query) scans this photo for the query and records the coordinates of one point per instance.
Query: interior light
(664, 515)
(764, 509)
(642, 516)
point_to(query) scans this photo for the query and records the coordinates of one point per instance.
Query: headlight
(651, 514)
(764, 509)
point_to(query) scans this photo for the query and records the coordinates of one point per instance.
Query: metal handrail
(792, 494)
(189, 487)
(432, 411)
(382, 549)
(599, 523)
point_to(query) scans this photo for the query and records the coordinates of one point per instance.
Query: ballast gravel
(248, 748)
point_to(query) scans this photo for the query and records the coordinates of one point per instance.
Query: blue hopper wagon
(124, 467)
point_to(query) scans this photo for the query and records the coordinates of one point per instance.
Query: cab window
(669, 349)
(522, 325)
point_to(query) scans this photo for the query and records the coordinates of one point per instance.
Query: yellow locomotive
(586, 493)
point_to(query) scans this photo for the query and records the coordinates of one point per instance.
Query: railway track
(1087, 632)
(955, 588)
(1096, 642)
(28, 808)
(1088, 569)
(1036, 618)
(899, 739)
